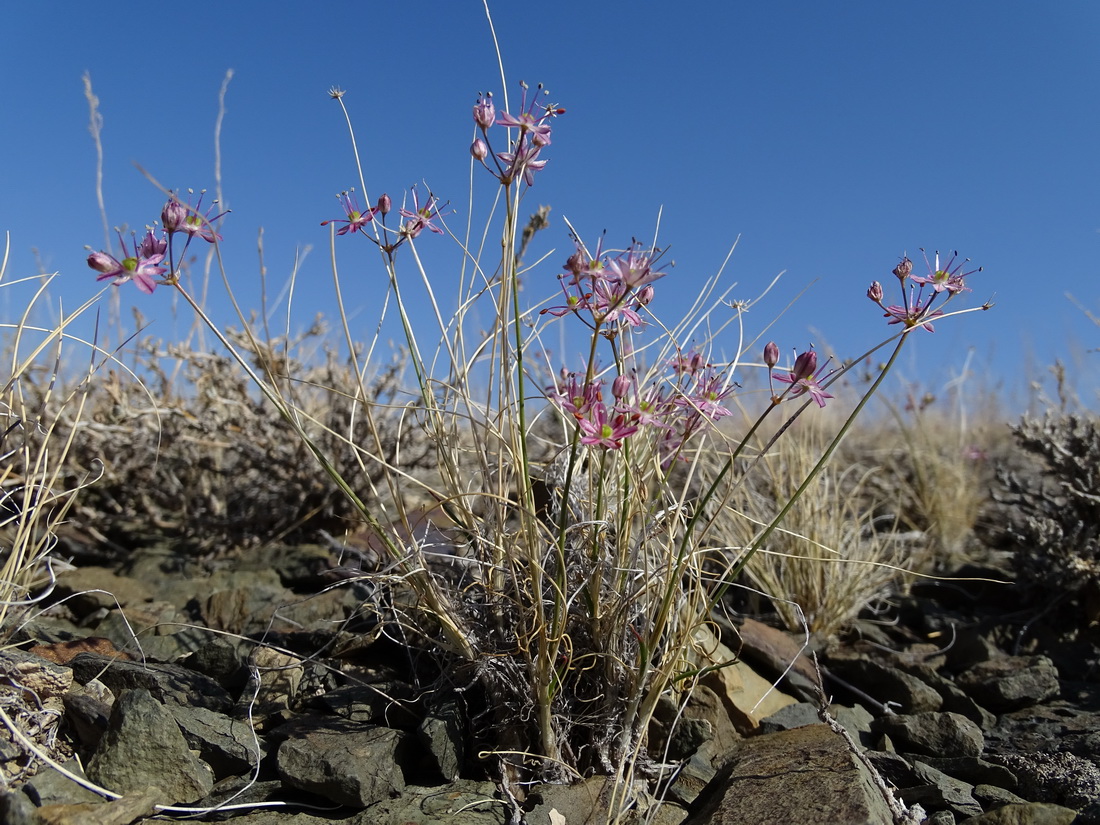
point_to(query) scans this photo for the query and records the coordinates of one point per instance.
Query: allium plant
(569, 494)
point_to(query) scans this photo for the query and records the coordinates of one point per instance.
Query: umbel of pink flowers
(143, 263)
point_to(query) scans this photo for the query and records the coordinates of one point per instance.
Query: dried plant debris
(1056, 507)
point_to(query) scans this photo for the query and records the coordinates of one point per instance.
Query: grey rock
(932, 734)
(1032, 813)
(442, 733)
(950, 793)
(792, 716)
(347, 764)
(941, 818)
(166, 682)
(51, 787)
(17, 809)
(464, 802)
(143, 748)
(973, 770)
(857, 721)
(1011, 682)
(228, 746)
(592, 801)
(384, 703)
(890, 684)
(994, 796)
(805, 775)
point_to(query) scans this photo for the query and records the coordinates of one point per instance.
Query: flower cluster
(523, 161)
(945, 281)
(609, 289)
(689, 399)
(142, 262)
(416, 220)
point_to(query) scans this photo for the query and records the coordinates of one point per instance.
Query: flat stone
(346, 764)
(805, 775)
(1031, 813)
(166, 682)
(932, 734)
(1011, 682)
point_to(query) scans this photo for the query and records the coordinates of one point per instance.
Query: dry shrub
(1056, 523)
(193, 455)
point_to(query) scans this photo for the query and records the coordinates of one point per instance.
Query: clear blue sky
(831, 137)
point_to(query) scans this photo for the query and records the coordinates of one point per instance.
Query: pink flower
(945, 278)
(803, 379)
(420, 217)
(602, 430)
(178, 217)
(356, 219)
(528, 122)
(916, 315)
(142, 266)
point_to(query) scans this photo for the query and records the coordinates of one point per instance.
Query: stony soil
(250, 681)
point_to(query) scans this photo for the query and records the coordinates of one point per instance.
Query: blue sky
(830, 138)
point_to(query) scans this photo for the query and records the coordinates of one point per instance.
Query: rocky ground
(180, 685)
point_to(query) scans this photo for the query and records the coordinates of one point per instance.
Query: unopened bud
(173, 215)
(644, 295)
(385, 204)
(804, 365)
(771, 354)
(479, 149)
(620, 386)
(874, 292)
(903, 269)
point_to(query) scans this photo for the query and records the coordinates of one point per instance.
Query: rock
(973, 770)
(51, 787)
(1032, 813)
(129, 808)
(1011, 682)
(347, 764)
(228, 746)
(932, 734)
(442, 734)
(805, 775)
(857, 721)
(166, 682)
(747, 697)
(994, 796)
(280, 676)
(143, 747)
(463, 802)
(88, 589)
(948, 792)
(382, 703)
(589, 801)
(778, 653)
(792, 716)
(889, 685)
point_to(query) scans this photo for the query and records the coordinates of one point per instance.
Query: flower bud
(485, 113)
(620, 386)
(771, 354)
(644, 295)
(874, 292)
(903, 269)
(577, 263)
(173, 215)
(385, 204)
(102, 262)
(479, 149)
(804, 365)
